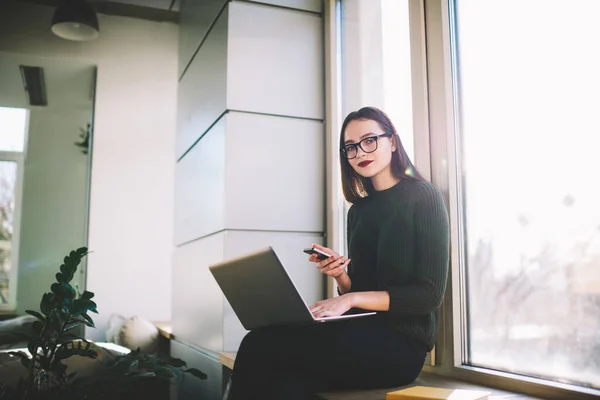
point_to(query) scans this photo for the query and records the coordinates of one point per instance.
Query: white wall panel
(200, 187)
(288, 246)
(275, 173)
(201, 97)
(197, 299)
(308, 5)
(275, 61)
(194, 21)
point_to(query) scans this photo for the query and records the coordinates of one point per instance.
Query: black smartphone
(321, 255)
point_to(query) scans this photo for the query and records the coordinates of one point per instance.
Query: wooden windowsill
(227, 359)
(164, 329)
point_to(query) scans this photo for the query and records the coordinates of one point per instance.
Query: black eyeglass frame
(344, 150)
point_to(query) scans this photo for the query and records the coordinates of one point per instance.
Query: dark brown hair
(354, 186)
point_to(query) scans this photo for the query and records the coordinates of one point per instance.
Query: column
(250, 151)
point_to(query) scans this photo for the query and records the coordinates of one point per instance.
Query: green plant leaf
(37, 327)
(49, 302)
(58, 368)
(196, 372)
(87, 295)
(57, 319)
(70, 326)
(69, 267)
(43, 361)
(176, 362)
(89, 320)
(145, 374)
(32, 346)
(87, 323)
(66, 274)
(25, 360)
(163, 372)
(69, 349)
(36, 314)
(178, 373)
(63, 290)
(82, 251)
(82, 306)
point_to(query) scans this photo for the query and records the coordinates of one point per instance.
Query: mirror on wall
(46, 125)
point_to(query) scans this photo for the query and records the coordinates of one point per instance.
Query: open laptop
(261, 292)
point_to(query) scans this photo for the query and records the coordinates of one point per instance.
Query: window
(528, 139)
(381, 67)
(505, 98)
(13, 123)
(376, 63)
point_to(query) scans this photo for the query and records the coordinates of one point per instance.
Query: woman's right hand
(334, 266)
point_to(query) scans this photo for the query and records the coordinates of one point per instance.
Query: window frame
(334, 199)
(437, 156)
(19, 158)
(337, 207)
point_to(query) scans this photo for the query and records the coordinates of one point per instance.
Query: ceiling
(161, 4)
(69, 83)
(154, 10)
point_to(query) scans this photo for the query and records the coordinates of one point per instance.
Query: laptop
(261, 292)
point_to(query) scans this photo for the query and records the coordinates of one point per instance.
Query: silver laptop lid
(260, 291)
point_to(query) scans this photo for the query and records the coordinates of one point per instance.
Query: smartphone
(321, 255)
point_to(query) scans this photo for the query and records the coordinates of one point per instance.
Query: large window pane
(529, 92)
(12, 128)
(8, 178)
(376, 64)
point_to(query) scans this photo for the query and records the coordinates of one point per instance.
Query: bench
(227, 359)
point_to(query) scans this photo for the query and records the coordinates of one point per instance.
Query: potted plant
(48, 377)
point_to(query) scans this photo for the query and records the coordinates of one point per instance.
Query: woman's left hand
(332, 307)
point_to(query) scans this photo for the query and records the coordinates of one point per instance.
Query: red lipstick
(363, 164)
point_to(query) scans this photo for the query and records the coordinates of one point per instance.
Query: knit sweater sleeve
(425, 292)
(349, 227)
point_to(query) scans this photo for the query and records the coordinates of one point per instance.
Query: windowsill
(227, 359)
(164, 329)
(464, 377)
(430, 380)
(539, 388)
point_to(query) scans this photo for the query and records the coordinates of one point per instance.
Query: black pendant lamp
(75, 20)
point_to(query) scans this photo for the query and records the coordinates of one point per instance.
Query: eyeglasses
(368, 145)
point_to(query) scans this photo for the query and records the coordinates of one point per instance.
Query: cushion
(132, 333)
(16, 330)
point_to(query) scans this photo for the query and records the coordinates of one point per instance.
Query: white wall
(131, 214)
(54, 201)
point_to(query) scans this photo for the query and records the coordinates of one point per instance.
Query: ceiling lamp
(75, 20)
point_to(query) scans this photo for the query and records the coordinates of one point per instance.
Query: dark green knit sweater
(398, 241)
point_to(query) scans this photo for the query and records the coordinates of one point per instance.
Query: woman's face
(367, 164)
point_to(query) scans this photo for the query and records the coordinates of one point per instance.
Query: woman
(398, 254)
